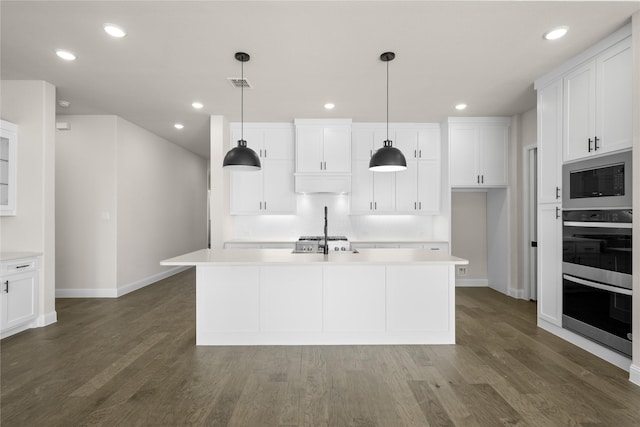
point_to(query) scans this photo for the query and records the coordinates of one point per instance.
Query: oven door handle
(598, 224)
(600, 286)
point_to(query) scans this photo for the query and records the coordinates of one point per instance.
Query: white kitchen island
(275, 297)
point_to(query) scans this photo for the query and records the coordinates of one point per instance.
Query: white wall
(86, 204)
(127, 200)
(31, 106)
(469, 234)
(161, 203)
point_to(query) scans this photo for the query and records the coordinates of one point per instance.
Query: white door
(550, 263)
(407, 188)
(279, 195)
(429, 186)
(309, 153)
(21, 299)
(494, 153)
(579, 112)
(361, 187)
(615, 102)
(337, 149)
(464, 156)
(246, 192)
(550, 142)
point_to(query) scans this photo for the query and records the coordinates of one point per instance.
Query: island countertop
(388, 256)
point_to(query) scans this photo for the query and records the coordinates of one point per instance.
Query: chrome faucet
(326, 241)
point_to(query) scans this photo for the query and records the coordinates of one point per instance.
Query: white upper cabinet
(416, 190)
(270, 190)
(598, 104)
(479, 150)
(550, 143)
(323, 146)
(8, 150)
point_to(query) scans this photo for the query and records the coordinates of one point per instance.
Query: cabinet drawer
(18, 266)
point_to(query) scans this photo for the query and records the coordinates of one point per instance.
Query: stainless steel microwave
(598, 183)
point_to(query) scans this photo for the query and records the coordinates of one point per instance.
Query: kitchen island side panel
(325, 304)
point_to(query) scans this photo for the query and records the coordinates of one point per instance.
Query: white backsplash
(309, 220)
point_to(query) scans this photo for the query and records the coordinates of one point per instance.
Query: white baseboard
(517, 293)
(122, 290)
(47, 319)
(604, 353)
(471, 283)
(634, 374)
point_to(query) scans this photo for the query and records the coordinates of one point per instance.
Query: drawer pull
(23, 266)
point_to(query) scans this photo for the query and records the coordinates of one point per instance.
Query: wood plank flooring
(132, 361)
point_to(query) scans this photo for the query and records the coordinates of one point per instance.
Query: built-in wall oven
(597, 247)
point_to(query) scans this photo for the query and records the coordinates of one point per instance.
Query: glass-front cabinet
(8, 141)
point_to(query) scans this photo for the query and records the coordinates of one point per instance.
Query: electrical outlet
(462, 270)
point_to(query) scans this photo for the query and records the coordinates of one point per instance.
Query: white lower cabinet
(19, 295)
(550, 263)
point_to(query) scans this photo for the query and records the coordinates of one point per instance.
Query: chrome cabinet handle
(265, 205)
(415, 205)
(415, 153)
(478, 178)
(482, 180)
(420, 205)
(420, 153)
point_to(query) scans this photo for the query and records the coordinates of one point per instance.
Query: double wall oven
(597, 248)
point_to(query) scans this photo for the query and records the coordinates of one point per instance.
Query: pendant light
(387, 158)
(242, 158)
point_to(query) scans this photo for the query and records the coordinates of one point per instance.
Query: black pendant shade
(387, 158)
(242, 158)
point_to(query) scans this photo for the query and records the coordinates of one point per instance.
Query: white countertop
(292, 241)
(10, 256)
(208, 257)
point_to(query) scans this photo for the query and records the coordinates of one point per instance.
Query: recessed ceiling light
(197, 105)
(461, 107)
(178, 126)
(114, 31)
(329, 106)
(64, 104)
(65, 54)
(555, 33)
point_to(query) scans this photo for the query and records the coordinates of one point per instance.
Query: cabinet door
(361, 187)
(362, 144)
(246, 192)
(309, 152)
(550, 143)
(614, 103)
(384, 192)
(494, 149)
(254, 138)
(464, 156)
(550, 263)
(279, 195)
(429, 186)
(8, 141)
(407, 142)
(579, 111)
(429, 144)
(21, 299)
(278, 144)
(337, 149)
(407, 188)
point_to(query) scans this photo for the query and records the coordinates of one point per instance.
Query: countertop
(10, 256)
(208, 257)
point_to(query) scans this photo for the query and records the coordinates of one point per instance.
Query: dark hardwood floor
(133, 361)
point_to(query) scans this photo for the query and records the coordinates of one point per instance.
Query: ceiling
(303, 54)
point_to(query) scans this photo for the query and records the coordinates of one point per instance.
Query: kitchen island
(275, 297)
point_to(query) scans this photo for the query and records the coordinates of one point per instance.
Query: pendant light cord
(387, 101)
(242, 101)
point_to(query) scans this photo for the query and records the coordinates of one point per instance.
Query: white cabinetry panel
(18, 295)
(231, 305)
(291, 299)
(550, 263)
(8, 167)
(550, 143)
(354, 299)
(414, 304)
